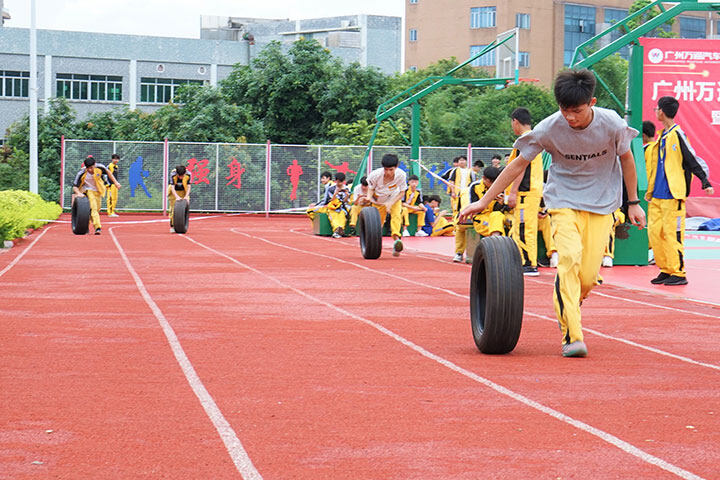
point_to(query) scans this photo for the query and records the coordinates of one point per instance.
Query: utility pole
(33, 102)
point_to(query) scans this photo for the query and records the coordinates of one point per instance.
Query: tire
(496, 295)
(181, 216)
(369, 228)
(80, 215)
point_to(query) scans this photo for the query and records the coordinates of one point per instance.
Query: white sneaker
(607, 261)
(113, 215)
(421, 233)
(553, 260)
(458, 258)
(406, 233)
(651, 258)
(172, 230)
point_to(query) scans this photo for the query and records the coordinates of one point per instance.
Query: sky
(178, 18)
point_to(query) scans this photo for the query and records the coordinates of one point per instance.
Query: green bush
(20, 210)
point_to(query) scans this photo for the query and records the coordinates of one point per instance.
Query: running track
(252, 349)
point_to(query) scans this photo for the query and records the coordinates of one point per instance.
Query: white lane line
(601, 434)
(455, 294)
(595, 291)
(234, 447)
(27, 249)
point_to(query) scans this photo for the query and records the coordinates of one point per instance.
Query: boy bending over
(584, 188)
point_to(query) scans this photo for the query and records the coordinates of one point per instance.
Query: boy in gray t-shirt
(583, 189)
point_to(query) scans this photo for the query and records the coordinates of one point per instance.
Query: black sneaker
(530, 271)
(543, 262)
(675, 280)
(660, 279)
(97, 231)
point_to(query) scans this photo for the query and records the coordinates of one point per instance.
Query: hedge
(21, 210)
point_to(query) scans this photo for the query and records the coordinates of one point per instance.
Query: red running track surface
(250, 348)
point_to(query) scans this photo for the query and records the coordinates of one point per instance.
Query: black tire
(80, 215)
(496, 295)
(181, 216)
(369, 228)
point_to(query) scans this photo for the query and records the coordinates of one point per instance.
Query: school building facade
(97, 72)
(549, 30)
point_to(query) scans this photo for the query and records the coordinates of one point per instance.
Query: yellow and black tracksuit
(492, 219)
(413, 197)
(319, 207)
(618, 219)
(112, 191)
(94, 197)
(525, 219)
(461, 178)
(180, 185)
(670, 162)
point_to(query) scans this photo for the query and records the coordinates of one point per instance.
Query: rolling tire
(181, 216)
(369, 228)
(496, 295)
(80, 215)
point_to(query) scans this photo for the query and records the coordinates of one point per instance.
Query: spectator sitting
(412, 205)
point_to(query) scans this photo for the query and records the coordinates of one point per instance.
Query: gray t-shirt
(585, 172)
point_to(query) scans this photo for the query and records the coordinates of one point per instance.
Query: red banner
(688, 70)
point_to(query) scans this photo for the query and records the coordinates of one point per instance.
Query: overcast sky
(179, 18)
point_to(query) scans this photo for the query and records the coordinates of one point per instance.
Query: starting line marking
(234, 447)
(455, 294)
(602, 435)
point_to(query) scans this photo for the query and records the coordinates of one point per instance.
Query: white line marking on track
(234, 447)
(17, 259)
(455, 294)
(602, 435)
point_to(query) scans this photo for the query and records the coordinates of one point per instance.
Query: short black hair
(390, 160)
(478, 163)
(457, 159)
(180, 169)
(648, 128)
(413, 177)
(669, 106)
(89, 161)
(363, 180)
(115, 155)
(326, 174)
(522, 115)
(498, 156)
(492, 173)
(436, 198)
(340, 176)
(574, 88)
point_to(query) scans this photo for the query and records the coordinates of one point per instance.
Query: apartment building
(549, 30)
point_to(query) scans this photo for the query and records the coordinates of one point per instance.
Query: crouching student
(436, 225)
(412, 205)
(359, 200)
(336, 205)
(491, 220)
(179, 188)
(326, 182)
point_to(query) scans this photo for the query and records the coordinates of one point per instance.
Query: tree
(614, 72)
(663, 31)
(283, 91)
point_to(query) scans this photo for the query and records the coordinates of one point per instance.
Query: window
(524, 59)
(692, 27)
(413, 35)
(413, 68)
(101, 88)
(162, 90)
(14, 84)
(482, 17)
(487, 60)
(579, 28)
(522, 20)
(612, 16)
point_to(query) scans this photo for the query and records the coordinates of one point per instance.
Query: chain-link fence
(246, 177)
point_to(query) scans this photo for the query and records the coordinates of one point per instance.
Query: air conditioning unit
(345, 23)
(581, 26)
